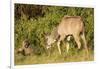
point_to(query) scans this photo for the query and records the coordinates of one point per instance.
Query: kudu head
(49, 40)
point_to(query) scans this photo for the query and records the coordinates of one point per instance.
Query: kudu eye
(46, 39)
(48, 46)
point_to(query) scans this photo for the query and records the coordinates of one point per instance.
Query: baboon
(26, 48)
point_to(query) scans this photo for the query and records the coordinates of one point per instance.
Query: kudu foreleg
(58, 43)
(67, 46)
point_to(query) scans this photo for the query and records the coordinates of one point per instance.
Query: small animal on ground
(26, 48)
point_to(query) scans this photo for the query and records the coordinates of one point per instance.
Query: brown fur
(70, 25)
(26, 48)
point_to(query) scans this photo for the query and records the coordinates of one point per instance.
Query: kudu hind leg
(58, 43)
(84, 41)
(77, 40)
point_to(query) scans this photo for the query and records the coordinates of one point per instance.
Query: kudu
(69, 26)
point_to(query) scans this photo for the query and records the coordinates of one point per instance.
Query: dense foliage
(32, 21)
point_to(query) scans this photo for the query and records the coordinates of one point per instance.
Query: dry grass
(72, 56)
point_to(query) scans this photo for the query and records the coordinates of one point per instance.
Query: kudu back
(69, 26)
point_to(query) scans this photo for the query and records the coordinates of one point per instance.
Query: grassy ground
(54, 57)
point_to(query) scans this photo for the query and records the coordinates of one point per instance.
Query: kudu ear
(46, 34)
